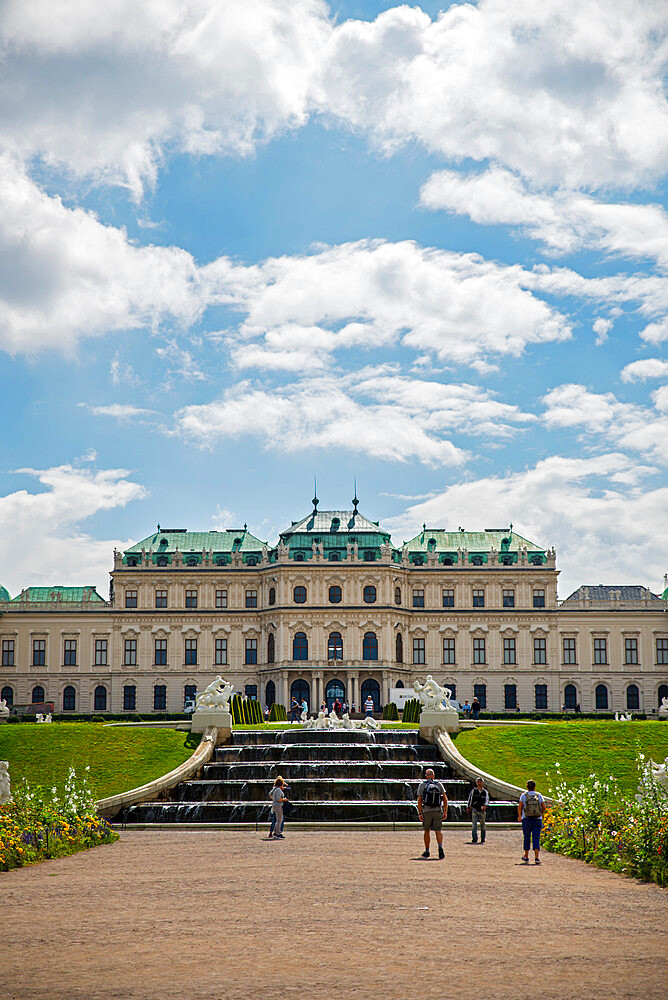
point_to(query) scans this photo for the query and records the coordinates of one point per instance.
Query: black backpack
(431, 797)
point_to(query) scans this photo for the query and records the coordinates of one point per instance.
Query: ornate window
(191, 598)
(130, 652)
(272, 595)
(509, 598)
(335, 646)
(449, 651)
(540, 692)
(418, 597)
(251, 598)
(449, 597)
(397, 595)
(251, 651)
(270, 694)
(191, 652)
(369, 595)
(370, 646)
(299, 595)
(100, 699)
(399, 648)
(161, 598)
(160, 652)
(69, 699)
(130, 598)
(539, 598)
(419, 651)
(478, 598)
(479, 651)
(335, 595)
(509, 651)
(221, 599)
(271, 648)
(300, 646)
(221, 652)
(129, 698)
(7, 653)
(570, 651)
(159, 697)
(540, 651)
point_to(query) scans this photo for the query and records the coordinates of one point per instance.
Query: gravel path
(229, 916)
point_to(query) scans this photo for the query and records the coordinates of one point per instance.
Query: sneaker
(279, 836)
(537, 862)
(441, 854)
(425, 854)
(473, 841)
(525, 861)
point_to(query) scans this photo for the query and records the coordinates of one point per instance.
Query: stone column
(354, 688)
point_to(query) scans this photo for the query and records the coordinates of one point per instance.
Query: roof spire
(511, 527)
(356, 502)
(315, 496)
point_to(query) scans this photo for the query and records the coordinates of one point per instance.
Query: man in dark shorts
(432, 803)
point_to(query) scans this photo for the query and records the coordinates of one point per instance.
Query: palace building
(335, 609)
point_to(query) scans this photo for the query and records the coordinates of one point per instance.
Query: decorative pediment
(220, 630)
(479, 630)
(164, 629)
(539, 631)
(450, 630)
(334, 626)
(299, 626)
(191, 632)
(509, 630)
(130, 630)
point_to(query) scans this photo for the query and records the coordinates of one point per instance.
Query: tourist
(304, 706)
(368, 705)
(352, 706)
(466, 708)
(337, 707)
(432, 803)
(277, 796)
(323, 707)
(344, 706)
(530, 811)
(475, 708)
(295, 710)
(266, 711)
(477, 810)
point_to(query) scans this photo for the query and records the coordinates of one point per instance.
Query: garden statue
(215, 697)
(663, 709)
(654, 774)
(621, 717)
(4, 710)
(432, 695)
(5, 791)
(39, 718)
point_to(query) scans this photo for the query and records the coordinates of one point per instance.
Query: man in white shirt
(368, 705)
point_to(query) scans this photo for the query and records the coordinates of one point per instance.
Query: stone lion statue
(432, 695)
(663, 708)
(216, 696)
(5, 791)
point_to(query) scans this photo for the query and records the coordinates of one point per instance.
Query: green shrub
(411, 712)
(390, 713)
(278, 713)
(98, 718)
(14, 718)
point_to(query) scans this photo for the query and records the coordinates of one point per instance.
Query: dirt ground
(195, 915)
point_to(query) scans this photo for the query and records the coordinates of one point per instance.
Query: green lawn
(581, 748)
(119, 758)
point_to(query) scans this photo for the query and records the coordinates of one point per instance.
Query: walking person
(432, 803)
(530, 811)
(277, 796)
(295, 710)
(477, 809)
(475, 708)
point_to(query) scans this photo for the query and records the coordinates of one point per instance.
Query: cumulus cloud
(41, 539)
(637, 371)
(119, 411)
(655, 333)
(603, 416)
(606, 525)
(564, 221)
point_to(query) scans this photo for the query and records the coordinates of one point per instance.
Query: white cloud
(625, 425)
(647, 368)
(655, 333)
(41, 540)
(65, 276)
(119, 411)
(564, 221)
(316, 413)
(601, 328)
(223, 519)
(606, 527)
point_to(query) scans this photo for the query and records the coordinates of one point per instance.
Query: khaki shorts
(432, 819)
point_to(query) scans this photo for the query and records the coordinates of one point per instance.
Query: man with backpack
(530, 809)
(432, 803)
(477, 809)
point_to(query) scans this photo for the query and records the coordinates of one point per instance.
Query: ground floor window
(129, 698)
(69, 699)
(601, 696)
(335, 689)
(159, 697)
(541, 696)
(189, 693)
(663, 693)
(7, 694)
(250, 690)
(633, 697)
(301, 690)
(570, 696)
(38, 695)
(480, 692)
(100, 699)
(510, 695)
(270, 693)
(370, 687)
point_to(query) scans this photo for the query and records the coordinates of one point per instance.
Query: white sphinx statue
(663, 709)
(432, 695)
(621, 717)
(4, 709)
(5, 791)
(43, 718)
(215, 697)
(332, 721)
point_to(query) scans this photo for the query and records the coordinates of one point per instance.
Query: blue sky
(245, 245)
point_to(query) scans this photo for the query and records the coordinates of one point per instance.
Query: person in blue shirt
(530, 811)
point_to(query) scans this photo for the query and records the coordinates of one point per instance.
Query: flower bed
(36, 826)
(598, 823)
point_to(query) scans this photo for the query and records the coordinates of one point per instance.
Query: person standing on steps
(368, 705)
(432, 803)
(277, 796)
(530, 810)
(477, 810)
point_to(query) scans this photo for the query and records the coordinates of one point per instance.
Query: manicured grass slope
(581, 748)
(119, 758)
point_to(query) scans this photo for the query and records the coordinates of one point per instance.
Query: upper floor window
(300, 595)
(334, 595)
(272, 595)
(300, 646)
(479, 651)
(418, 598)
(370, 646)
(161, 598)
(509, 598)
(8, 653)
(251, 651)
(478, 598)
(130, 598)
(221, 598)
(70, 653)
(221, 652)
(162, 561)
(539, 598)
(600, 650)
(191, 598)
(39, 652)
(271, 648)
(509, 651)
(419, 651)
(399, 648)
(540, 651)
(101, 647)
(662, 651)
(449, 651)
(160, 652)
(449, 598)
(130, 652)
(397, 595)
(630, 651)
(369, 556)
(191, 652)
(369, 595)
(335, 646)
(251, 598)
(570, 651)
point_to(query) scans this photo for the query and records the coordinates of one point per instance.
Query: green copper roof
(477, 543)
(334, 530)
(191, 543)
(63, 595)
(4, 594)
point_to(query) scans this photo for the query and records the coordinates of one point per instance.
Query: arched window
(335, 646)
(601, 695)
(370, 646)
(270, 693)
(299, 557)
(369, 556)
(369, 595)
(335, 689)
(272, 595)
(663, 693)
(334, 557)
(69, 699)
(397, 595)
(271, 648)
(300, 646)
(371, 687)
(399, 648)
(161, 561)
(335, 595)
(100, 699)
(570, 696)
(399, 684)
(37, 695)
(300, 690)
(300, 595)
(633, 697)
(7, 694)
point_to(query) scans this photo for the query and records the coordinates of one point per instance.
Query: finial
(424, 527)
(315, 500)
(511, 527)
(355, 500)
(158, 529)
(245, 526)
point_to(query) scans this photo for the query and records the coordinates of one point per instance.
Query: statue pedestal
(447, 718)
(202, 718)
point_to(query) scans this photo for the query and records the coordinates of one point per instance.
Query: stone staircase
(333, 776)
